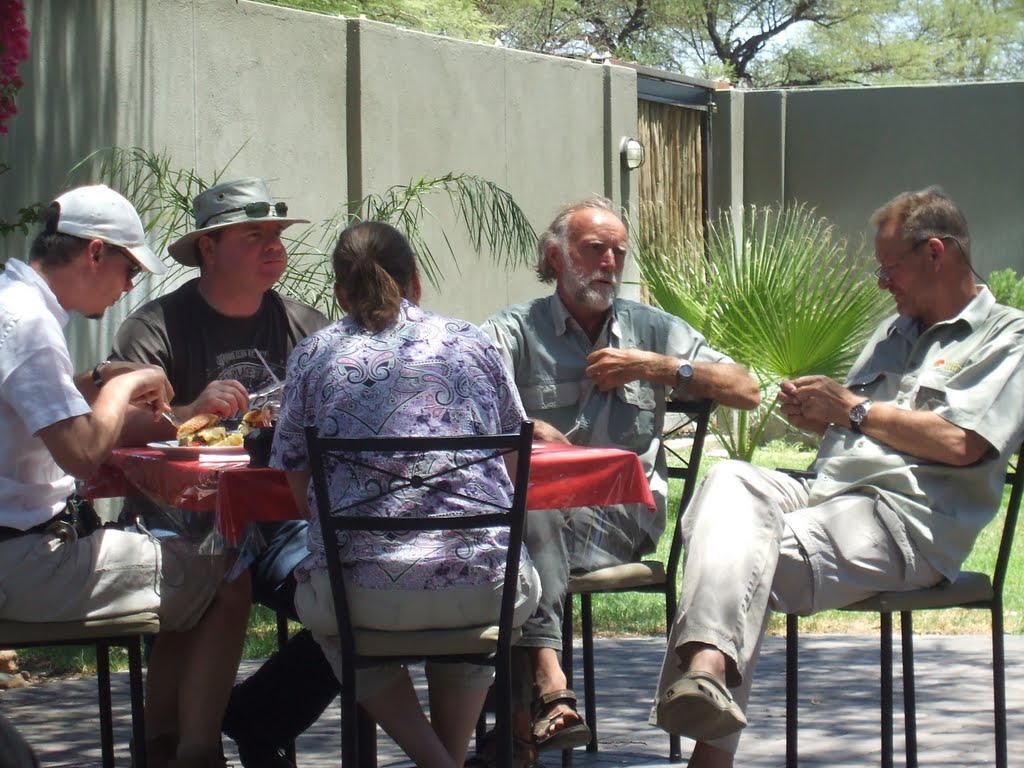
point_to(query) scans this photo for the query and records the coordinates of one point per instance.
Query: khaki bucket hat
(233, 202)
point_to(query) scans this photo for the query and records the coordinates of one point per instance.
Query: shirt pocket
(858, 381)
(931, 390)
(548, 396)
(632, 420)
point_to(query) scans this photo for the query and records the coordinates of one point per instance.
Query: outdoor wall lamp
(632, 152)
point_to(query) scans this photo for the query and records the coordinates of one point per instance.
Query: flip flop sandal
(700, 707)
(568, 736)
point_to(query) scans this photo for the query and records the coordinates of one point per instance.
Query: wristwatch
(858, 413)
(684, 372)
(97, 377)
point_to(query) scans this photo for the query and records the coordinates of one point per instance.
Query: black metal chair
(643, 576)
(981, 591)
(483, 645)
(124, 632)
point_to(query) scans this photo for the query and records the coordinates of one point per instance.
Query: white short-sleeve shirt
(37, 389)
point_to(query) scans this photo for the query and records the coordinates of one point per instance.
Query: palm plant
(162, 193)
(780, 295)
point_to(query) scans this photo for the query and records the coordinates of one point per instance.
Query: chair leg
(282, 641)
(999, 683)
(106, 713)
(886, 664)
(502, 692)
(909, 692)
(567, 662)
(137, 697)
(792, 690)
(675, 746)
(349, 717)
(589, 686)
(367, 728)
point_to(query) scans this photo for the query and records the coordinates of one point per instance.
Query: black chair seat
(969, 587)
(360, 647)
(972, 590)
(103, 634)
(644, 576)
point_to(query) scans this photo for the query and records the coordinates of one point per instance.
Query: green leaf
(781, 296)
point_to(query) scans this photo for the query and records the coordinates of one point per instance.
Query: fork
(171, 418)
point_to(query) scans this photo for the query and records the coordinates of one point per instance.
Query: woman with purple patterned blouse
(390, 368)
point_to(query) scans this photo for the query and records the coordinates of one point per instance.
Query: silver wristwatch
(684, 373)
(858, 413)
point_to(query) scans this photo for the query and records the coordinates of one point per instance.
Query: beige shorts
(399, 610)
(109, 574)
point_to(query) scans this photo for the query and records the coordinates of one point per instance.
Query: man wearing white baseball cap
(56, 562)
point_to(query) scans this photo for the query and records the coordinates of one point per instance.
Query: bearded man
(593, 369)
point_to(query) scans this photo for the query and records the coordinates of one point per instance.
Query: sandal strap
(545, 702)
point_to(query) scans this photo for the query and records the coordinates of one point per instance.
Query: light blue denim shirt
(546, 350)
(970, 371)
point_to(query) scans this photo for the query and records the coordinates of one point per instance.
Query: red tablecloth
(560, 477)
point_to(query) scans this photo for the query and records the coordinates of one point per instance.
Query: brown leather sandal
(569, 736)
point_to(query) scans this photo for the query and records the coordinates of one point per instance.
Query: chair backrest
(454, 454)
(1014, 479)
(684, 465)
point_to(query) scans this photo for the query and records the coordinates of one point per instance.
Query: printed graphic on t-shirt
(244, 366)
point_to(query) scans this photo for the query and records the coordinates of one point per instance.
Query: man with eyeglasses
(221, 336)
(57, 563)
(914, 447)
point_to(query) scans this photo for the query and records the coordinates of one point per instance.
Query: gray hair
(557, 233)
(925, 214)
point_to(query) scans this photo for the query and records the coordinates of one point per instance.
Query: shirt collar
(19, 270)
(561, 318)
(975, 312)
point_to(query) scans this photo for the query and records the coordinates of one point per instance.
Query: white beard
(581, 287)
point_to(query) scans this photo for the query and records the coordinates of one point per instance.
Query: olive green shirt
(546, 350)
(970, 371)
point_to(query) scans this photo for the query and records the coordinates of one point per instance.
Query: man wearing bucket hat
(56, 563)
(219, 337)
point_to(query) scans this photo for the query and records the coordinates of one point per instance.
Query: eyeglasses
(884, 274)
(258, 210)
(134, 268)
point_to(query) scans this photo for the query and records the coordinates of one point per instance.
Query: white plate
(171, 448)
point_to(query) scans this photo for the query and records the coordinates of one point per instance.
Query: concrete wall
(846, 151)
(327, 109)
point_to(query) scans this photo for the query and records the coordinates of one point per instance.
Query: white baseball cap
(97, 211)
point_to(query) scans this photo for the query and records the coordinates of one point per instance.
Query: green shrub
(1007, 287)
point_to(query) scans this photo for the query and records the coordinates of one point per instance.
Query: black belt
(76, 520)
(11, 533)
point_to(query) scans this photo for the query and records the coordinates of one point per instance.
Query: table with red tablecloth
(561, 476)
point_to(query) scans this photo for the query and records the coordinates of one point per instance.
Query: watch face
(857, 414)
(684, 371)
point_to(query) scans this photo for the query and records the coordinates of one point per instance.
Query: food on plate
(208, 429)
(202, 429)
(257, 418)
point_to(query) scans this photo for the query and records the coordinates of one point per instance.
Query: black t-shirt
(195, 344)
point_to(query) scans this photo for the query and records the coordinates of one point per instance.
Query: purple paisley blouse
(425, 375)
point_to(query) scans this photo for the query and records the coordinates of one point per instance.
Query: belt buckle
(63, 530)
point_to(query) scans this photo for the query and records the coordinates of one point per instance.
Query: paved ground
(839, 709)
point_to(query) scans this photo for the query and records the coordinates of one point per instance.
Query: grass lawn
(641, 614)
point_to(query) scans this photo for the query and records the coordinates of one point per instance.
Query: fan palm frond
(782, 296)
